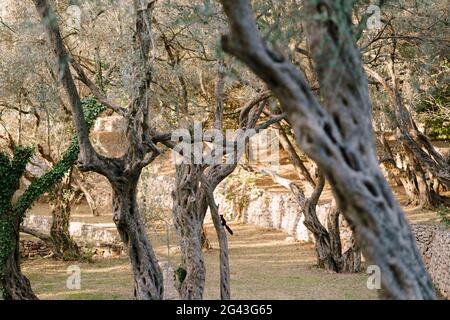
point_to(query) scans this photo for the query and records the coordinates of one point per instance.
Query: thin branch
(95, 90)
(220, 85)
(49, 20)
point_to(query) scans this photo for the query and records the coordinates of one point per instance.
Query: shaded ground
(263, 266)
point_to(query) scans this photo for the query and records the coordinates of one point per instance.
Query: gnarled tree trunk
(15, 284)
(193, 194)
(327, 248)
(62, 243)
(123, 173)
(148, 279)
(351, 258)
(337, 134)
(334, 233)
(403, 174)
(423, 191)
(421, 153)
(327, 240)
(188, 221)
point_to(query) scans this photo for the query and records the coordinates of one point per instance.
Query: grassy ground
(263, 266)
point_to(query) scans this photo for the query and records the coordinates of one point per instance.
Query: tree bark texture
(193, 194)
(188, 220)
(148, 279)
(327, 251)
(123, 173)
(62, 243)
(225, 291)
(337, 134)
(15, 284)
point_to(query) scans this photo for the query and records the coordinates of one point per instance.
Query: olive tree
(337, 133)
(123, 173)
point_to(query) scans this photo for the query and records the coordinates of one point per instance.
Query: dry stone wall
(102, 238)
(434, 245)
(265, 208)
(33, 249)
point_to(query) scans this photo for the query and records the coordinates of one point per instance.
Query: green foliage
(444, 214)
(92, 110)
(180, 274)
(433, 109)
(438, 128)
(11, 172)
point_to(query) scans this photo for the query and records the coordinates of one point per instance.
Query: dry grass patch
(263, 266)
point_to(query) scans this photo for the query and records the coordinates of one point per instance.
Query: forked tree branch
(96, 91)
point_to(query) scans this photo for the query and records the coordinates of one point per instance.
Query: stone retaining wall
(102, 238)
(88, 234)
(30, 249)
(276, 210)
(34, 249)
(434, 245)
(265, 209)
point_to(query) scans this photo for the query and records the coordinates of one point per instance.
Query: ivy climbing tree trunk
(15, 284)
(337, 134)
(148, 280)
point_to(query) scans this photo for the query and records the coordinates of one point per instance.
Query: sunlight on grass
(263, 266)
